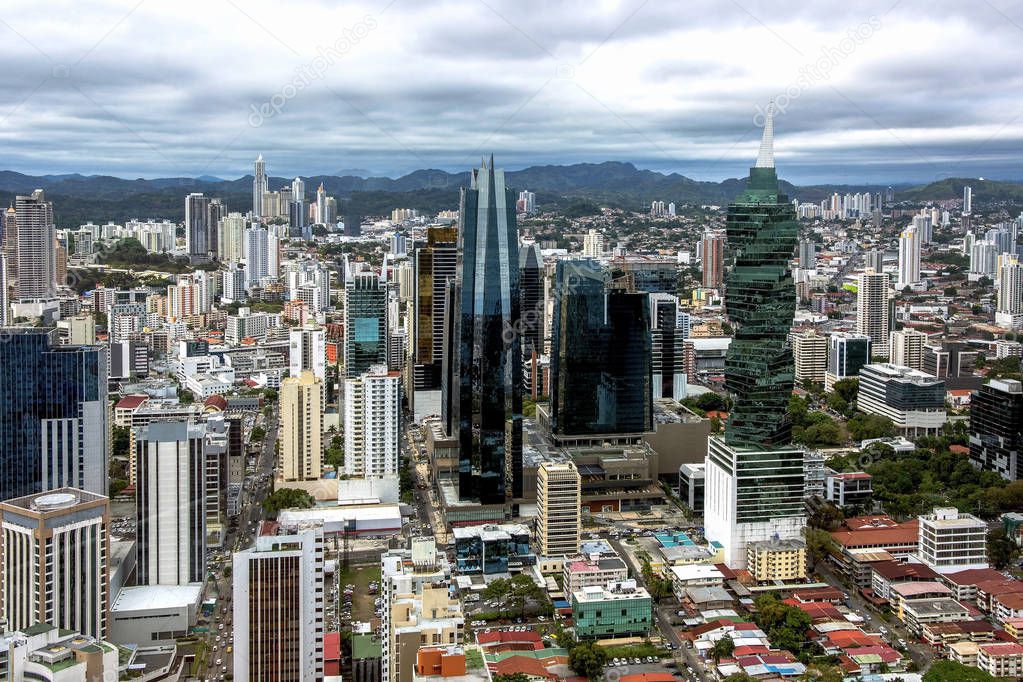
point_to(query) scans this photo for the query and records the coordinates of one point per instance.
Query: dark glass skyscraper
(600, 354)
(435, 263)
(531, 286)
(53, 414)
(365, 323)
(488, 407)
(760, 299)
(996, 428)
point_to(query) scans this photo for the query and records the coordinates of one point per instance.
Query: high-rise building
(667, 348)
(984, 257)
(365, 323)
(10, 243)
(713, 259)
(909, 257)
(215, 214)
(170, 502)
(488, 362)
(321, 205)
(55, 551)
(872, 311)
(1010, 286)
(5, 291)
(924, 226)
(279, 592)
(906, 348)
(754, 479)
(36, 268)
(197, 230)
(593, 244)
(600, 355)
(231, 245)
(810, 355)
(558, 508)
(967, 200)
(373, 423)
(308, 350)
(847, 354)
(259, 187)
(301, 401)
(435, 264)
(807, 254)
(53, 414)
(531, 288)
(996, 428)
(874, 260)
(913, 400)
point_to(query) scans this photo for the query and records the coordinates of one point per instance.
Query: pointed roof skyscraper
(765, 159)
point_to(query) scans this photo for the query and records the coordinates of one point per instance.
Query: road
(221, 634)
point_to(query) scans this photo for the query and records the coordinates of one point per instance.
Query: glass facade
(617, 616)
(53, 414)
(488, 550)
(760, 298)
(531, 286)
(435, 264)
(488, 408)
(600, 356)
(365, 324)
(996, 424)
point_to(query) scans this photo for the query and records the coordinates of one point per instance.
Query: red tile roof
(973, 576)
(130, 402)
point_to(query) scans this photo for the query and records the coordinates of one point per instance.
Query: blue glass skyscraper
(488, 408)
(53, 414)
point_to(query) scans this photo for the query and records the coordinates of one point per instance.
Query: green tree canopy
(587, 659)
(287, 498)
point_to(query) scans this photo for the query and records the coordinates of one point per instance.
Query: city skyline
(303, 89)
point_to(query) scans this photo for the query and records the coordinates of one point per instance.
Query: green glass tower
(760, 299)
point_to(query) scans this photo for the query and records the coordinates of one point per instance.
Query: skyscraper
(967, 200)
(55, 549)
(197, 229)
(301, 400)
(667, 348)
(847, 354)
(259, 187)
(170, 460)
(754, 479)
(872, 313)
(874, 260)
(1010, 286)
(909, 257)
(5, 296)
(531, 287)
(307, 350)
(488, 408)
(36, 267)
(558, 508)
(231, 243)
(365, 323)
(278, 608)
(372, 423)
(996, 425)
(807, 254)
(713, 259)
(53, 414)
(810, 353)
(435, 264)
(215, 212)
(600, 355)
(321, 205)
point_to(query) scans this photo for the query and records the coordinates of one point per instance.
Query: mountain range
(80, 198)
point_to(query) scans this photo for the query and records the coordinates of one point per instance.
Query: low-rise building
(492, 549)
(1001, 659)
(952, 541)
(589, 570)
(916, 613)
(776, 560)
(44, 653)
(619, 610)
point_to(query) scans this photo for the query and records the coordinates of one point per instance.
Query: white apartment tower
(810, 354)
(872, 312)
(373, 423)
(907, 348)
(558, 508)
(308, 350)
(278, 608)
(909, 257)
(593, 244)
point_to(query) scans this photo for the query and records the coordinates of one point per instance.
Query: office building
(493, 549)
(301, 400)
(170, 460)
(436, 264)
(906, 348)
(307, 350)
(668, 332)
(847, 354)
(600, 355)
(365, 323)
(691, 485)
(713, 259)
(952, 541)
(620, 609)
(373, 423)
(55, 551)
(996, 428)
(53, 414)
(488, 364)
(754, 479)
(558, 508)
(913, 400)
(810, 356)
(279, 594)
(872, 310)
(909, 257)
(36, 268)
(259, 187)
(532, 301)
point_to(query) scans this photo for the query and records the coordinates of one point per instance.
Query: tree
(822, 672)
(847, 388)
(945, 671)
(826, 433)
(287, 498)
(564, 639)
(1000, 549)
(120, 441)
(587, 659)
(819, 544)
(722, 648)
(867, 426)
(257, 435)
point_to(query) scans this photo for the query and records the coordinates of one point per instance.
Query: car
(218, 662)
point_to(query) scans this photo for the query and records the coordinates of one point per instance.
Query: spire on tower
(765, 159)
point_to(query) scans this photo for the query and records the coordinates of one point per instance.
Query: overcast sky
(871, 91)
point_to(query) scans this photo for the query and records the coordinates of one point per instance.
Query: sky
(891, 91)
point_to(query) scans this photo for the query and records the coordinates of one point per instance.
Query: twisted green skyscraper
(760, 299)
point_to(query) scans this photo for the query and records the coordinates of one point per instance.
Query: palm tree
(722, 648)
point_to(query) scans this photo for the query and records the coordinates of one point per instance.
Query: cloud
(880, 90)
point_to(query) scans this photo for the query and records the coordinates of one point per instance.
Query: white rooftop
(147, 597)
